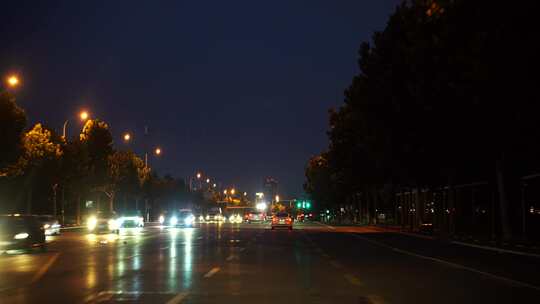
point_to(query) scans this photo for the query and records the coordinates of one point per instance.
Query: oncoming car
(235, 218)
(21, 232)
(50, 224)
(103, 222)
(182, 218)
(131, 219)
(214, 215)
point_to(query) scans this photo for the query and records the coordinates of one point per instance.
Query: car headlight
(173, 221)
(201, 218)
(188, 220)
(113, 224)
(92, 223)
(46, 226)
(207, 217)
(21, 236)
(161, 219)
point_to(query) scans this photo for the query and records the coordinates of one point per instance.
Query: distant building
(270, 188)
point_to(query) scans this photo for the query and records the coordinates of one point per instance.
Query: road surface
(249, 263)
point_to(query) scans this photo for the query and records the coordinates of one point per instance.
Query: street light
(233, 191)
(277, 198)
(83, 116)
(207, 180)
(245, 193)
(158, 151)
(214, 185)
(198, 175)
(13, 81)
(225, 191)
(127, 137)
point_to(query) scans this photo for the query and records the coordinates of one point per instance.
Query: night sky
(236, 89)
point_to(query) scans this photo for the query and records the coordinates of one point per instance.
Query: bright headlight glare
(113, 224)
(46, 226)
(208, 217)
(92, 223)
(21, 236)
(188, 220)
(161, 219)
(174, 220)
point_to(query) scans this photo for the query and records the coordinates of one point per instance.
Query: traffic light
(308, 205)
(298, 205)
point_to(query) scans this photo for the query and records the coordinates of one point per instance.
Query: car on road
(214, 215)
(103, 222)
(21, 232)
(282, 220)
(235, 218)
(50, 224)
(255, 217)
(131, 219)
(182, 218)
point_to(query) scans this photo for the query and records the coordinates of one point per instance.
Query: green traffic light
(298, 205)
(308, 205)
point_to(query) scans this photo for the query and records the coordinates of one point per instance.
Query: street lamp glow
(233, 191)
(225, 191)
(13, 81)
(214, 185)
(277, 198)
(127, 137)
(158, 151)
(245, 193)
(84, 115)
(198, 175)
(261, 206)
(207, 180)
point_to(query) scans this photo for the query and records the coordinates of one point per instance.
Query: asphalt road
(249, 263)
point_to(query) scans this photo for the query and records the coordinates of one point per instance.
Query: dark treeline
(446, 96)
(43, 173)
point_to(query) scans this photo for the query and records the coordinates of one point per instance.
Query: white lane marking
(212, 272)
(325, 225)
(177, 298)
(164, 248)
(497, 249)
(454, 265)
(41, 272)
(352, 279)
(230, 258)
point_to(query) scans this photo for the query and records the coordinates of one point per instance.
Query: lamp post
(83, 116)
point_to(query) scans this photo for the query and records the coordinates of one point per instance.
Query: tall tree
(12, 124)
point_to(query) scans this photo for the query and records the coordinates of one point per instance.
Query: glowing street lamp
(277, 198)
(245, 193)
(207, 180)
(84, 115)
(127, 137)
(225, 191)
(214, 185)
(13, 81)
(158, 151)
(199, 175)
(233, 191)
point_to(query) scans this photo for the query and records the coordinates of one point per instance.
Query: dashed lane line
(41, 272)
(177, 298)
(212, 272)
(352, 279)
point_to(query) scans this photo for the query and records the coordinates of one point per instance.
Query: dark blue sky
(237, 89)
